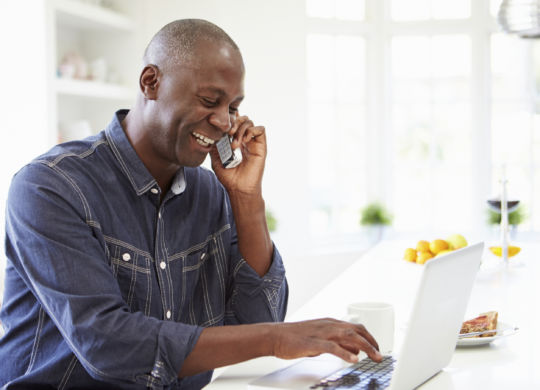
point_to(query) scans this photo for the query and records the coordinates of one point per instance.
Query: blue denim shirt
(105, 286)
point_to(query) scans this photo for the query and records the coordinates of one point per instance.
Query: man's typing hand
(224, 345)
(315, 337)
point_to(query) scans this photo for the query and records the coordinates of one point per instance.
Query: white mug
(378, 319)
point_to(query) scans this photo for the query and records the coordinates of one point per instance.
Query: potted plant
(515, 218)
(375, 217)
(271, 221)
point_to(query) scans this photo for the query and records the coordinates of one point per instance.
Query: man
(129, 266)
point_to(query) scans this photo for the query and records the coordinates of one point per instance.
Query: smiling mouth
(203, 140)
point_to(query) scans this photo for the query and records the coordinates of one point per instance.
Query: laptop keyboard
(366, 374)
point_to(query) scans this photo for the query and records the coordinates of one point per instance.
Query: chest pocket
(132, 270)
(203, 285)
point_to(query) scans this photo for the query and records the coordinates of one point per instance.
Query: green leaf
(271, 221)
(514, 218)
(375, 214)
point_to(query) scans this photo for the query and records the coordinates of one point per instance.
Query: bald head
(176, 42)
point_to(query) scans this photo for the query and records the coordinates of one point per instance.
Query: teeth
(202, 140)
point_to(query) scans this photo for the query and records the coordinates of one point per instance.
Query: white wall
(23, 101)
(271, 37)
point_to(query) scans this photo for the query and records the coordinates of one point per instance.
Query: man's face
(196, 105)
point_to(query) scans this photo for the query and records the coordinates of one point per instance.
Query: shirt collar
(179, 184)
(132, 166)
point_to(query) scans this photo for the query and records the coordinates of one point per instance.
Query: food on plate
(485, 321)
(426, 250)
(437, 245)
(512, 250)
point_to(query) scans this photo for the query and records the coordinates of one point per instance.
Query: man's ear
(149, 81)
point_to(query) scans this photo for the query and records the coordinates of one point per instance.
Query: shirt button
(203, 255)
(154, 191)
(126, 257)
(159, 214)
(162, 265)
(168, 314)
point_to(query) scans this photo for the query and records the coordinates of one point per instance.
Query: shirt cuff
(176, 341)
(252, 283)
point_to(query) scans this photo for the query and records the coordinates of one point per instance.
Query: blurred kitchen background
(411, 107)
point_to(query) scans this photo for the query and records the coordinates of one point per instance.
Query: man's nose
(221, 119)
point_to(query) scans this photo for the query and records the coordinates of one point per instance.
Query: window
(415, 10)
(434, 94)
(515, 139)
(431, 127)
(336, 119)
(338, 9)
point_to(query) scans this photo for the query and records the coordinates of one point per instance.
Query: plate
(503, 329)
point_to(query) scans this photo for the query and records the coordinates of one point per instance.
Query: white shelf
(92, 32)
(93, 89)
(90, 17)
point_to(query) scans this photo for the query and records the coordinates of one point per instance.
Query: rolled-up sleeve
(53, 244)
(258, 298)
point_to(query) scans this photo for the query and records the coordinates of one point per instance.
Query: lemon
(456, 241)
(437, 245)
(512, 250)
(410, 255)
(443, 252)
(422, 246)
(422, 257)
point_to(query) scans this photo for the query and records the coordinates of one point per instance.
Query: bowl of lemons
(427, 250)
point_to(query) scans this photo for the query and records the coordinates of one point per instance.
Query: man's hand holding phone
(244, 186)
(250, 140)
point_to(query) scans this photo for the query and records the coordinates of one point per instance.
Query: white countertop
(382, 275)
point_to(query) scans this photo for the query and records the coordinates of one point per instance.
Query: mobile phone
(229, 158)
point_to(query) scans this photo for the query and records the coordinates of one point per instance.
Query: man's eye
(233, 110)
(209, 102)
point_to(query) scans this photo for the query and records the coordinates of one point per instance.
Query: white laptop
(428, 345)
